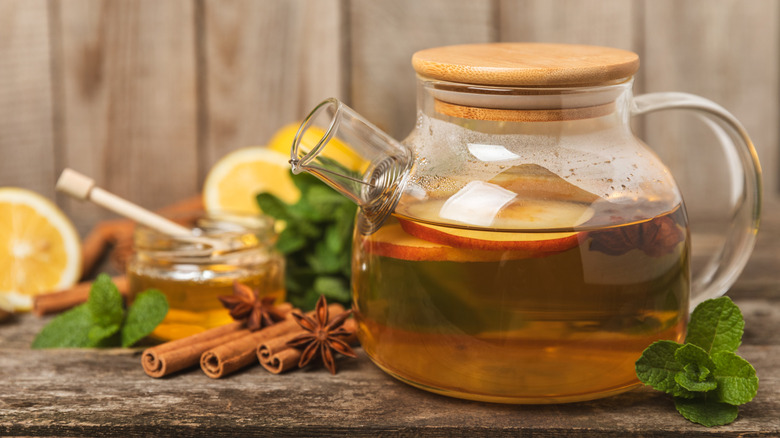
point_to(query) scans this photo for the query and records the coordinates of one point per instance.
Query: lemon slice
(40, 249)
(233, 183)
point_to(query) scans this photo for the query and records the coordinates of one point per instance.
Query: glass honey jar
(193, 270)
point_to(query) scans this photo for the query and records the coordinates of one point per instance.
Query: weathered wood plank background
(146, 95)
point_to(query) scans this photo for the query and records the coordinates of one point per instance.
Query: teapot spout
(360, 161)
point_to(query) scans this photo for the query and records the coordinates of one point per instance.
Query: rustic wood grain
(27, 155)
(106, 393)
(726, 51)
(384, 35)
(610, 23)
(596, 22)
(266, 64)
(128, 77)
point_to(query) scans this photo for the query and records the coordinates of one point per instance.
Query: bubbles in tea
(539, 316)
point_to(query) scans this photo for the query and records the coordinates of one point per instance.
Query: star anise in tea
(655, 238)
(323, 336)
(245, 304)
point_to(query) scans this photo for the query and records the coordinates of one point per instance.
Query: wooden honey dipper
(84, 188)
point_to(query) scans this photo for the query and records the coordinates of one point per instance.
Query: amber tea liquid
(548, 325)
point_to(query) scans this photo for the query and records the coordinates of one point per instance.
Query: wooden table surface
(99, 393)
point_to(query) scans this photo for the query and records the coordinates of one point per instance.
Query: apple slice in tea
(512, 211)
(394, 242)
(524, 216)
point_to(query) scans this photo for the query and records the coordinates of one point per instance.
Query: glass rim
(300, 162)
(240, 233)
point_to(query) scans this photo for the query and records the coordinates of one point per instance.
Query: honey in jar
(192, 274)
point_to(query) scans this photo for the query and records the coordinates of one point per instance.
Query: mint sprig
(101, 321)
(705, 375)
(316, 241)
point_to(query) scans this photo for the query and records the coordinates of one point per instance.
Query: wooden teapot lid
(526, 64)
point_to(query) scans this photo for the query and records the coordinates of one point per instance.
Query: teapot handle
(723, 268)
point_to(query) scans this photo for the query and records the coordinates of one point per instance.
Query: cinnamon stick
(183, 353)
(240, 352)
(192, 206)
(92, 248)
(282, 361)
(65, 299)
(277, 357)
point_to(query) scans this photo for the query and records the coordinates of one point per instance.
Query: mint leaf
(148, 310)
(273, 206)
(105, 302)
(706, 412)
(69, 329)
(324, 201)
(323, 260)
(693, 354)
(658, 367)
(335, 239)
(697, 369)
(332, 287)
(289, 241)
(716, 325)
(692, 379)
(105, 308)
(736, 378)
(98, 334)
(305, 218)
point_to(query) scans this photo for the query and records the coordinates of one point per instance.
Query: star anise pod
(323, 336)
(656, 238)
(244, 304)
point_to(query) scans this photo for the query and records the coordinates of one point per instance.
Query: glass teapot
(521, 245)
